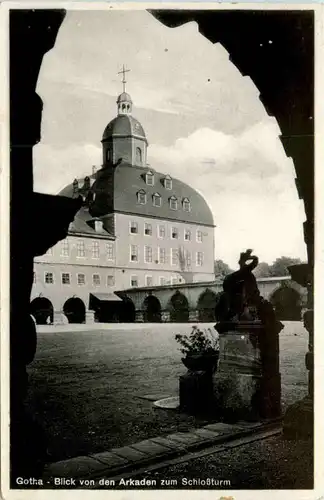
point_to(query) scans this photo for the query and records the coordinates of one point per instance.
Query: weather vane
(123, 71)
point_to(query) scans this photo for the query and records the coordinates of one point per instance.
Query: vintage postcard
(158, 188)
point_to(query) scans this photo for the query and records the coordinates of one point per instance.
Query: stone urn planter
(201, 362)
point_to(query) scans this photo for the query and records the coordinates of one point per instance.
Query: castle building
(137, 228)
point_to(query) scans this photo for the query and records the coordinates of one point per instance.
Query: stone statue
(241, 296)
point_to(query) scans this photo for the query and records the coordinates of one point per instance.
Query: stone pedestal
(238, 381)
(196, 392)
(248, 383)
(139, 317)
(90, 319)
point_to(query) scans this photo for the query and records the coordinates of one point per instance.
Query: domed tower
(124, 137)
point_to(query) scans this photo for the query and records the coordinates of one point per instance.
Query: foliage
(221, 269)
(263, 270)
(198, 342)
(280, 266)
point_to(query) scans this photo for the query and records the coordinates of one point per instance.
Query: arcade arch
(152, 309)
(179, 308)
(42, 310)
(75, 310)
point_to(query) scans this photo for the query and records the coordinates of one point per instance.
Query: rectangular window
(174, 233)
(49, 278)
(174, 256)
(161, 231)
(95, 249)
(96, 279)
(200, 258)
(162, 255)
(134, 253)
(80, 249)
(148, 280)
(188, 258)
(110, 280)
(134, 281)
(199, 236)
(162, 281)
(148, 254)
(65, 249)
(187, 235)
(81, 279)
(148, 229)
(110, 251)
(66, 279)
(133, 228)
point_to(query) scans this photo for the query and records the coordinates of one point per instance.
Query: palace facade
(137, 228)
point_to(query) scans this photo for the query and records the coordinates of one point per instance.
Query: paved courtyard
(87, 387)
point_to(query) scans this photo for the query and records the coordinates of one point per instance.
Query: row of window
(176, 256)
(81, 250)
(157, 201)
(81, 279)
(133, 228)
(110, 280)
(149, 281)
(161, 232)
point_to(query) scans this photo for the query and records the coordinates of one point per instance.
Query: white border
(318, 492)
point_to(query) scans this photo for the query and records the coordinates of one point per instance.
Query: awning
(106, 297)
(95, 299)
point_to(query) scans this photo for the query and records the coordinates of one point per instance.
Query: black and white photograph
(161, 265)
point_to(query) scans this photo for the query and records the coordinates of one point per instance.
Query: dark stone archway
(42, 310)
(152, 309)
(179, 308)
(287, 304)
(127, 311)
(206, 306)
(75, 310)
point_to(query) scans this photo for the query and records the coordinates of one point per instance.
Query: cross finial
(123, 71)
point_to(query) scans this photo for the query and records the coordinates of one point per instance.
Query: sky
(204, 122)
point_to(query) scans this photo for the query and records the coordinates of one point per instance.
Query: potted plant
(201, 349)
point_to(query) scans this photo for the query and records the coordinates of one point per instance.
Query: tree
(221, 269)
(263, 270)
(280, 265)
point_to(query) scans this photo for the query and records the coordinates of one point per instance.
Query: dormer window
(173, 202)
(157, 200)
(149, 179)
(167, 182)
(141, 197)
(186, 205)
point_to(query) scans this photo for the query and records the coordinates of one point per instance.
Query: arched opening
(206, 306)
(179, 308)
(74, 309)
(152, 309)
(287, 304)
(42, 310)
(127, 311)
(139, 156)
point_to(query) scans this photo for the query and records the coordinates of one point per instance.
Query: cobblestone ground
(272, 463)
(86, 386)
